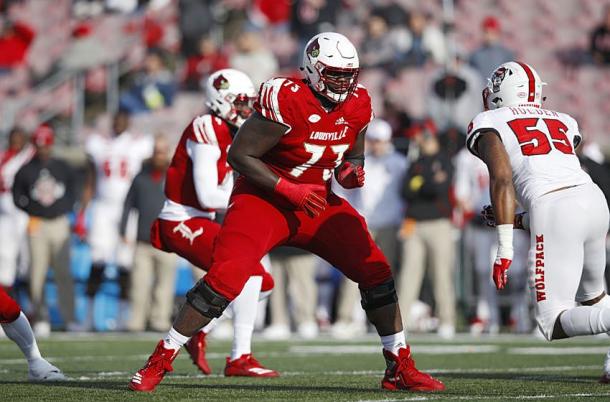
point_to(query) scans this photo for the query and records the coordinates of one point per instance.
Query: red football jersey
(206, 129)
(316, 140)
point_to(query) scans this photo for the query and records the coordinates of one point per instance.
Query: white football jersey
(117, 161)
(540, 144)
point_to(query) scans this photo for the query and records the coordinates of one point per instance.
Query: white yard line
(445, 397)
(553, 350)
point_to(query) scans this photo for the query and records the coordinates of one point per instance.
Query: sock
(20, 332)
(393, 343)
(585, 320)
(244, 315)
(174, 340)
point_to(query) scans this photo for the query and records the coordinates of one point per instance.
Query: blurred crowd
(422, 196)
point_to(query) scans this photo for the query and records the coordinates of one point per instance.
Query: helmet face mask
(230, 95)
(514, 84)
(331, 65)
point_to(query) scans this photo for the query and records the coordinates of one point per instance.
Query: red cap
(43, 136)
(491, 23)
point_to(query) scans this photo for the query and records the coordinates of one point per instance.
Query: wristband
(505, 241)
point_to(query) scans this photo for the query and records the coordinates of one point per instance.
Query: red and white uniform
(313, 146)
(568, 227)
(199, 182)
(13, 221)
(316, 140)
(117, 161)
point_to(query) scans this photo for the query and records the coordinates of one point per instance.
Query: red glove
(500, 276)
(304, 197)
(80, 227)
(350, 175)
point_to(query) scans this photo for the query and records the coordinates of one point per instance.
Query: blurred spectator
(491, 53)
(13, 221)
(153, 88)
(195, 21)
(270, 13)
(427, 229)
(294, 273)
(455, 95)
(382, 204)
(310, 17)
(252, 56)
(600, 40)
(45, 189)
(15, 40)
(424, 42)
(378, 48)
(199, 66)
(113, 163)
(154, 271)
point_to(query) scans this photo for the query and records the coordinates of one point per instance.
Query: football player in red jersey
(199, 182)
(18, 329)
(286, 152)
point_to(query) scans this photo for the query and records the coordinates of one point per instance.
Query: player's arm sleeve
(205, 175)
(276, 101)
(129, 204)
(577, 140)
(481, 124)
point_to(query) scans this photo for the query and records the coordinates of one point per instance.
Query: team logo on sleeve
(497, 78)
(313, 50)
(221, 83)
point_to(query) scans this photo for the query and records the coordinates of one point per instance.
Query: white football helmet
(230, 95)
(514, 84)
(330, 63)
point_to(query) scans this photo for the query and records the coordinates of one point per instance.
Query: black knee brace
(206, 301)
(379, 296)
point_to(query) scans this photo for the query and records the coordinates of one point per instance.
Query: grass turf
(488, 369)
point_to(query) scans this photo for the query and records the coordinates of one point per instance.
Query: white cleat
(42, 370)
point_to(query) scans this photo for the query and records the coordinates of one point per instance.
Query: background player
(286, 153)
(199, 182)
(529, 151)
(115, 161)
(13, 221)
(17, 328)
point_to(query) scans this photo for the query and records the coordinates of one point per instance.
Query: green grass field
(473, 369)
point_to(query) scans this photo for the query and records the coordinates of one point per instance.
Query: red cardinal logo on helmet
(220, 83)
(497, 78)
(313, 50)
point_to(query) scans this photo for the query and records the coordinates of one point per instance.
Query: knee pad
(9, 309)
(206, 301)
(379, 296)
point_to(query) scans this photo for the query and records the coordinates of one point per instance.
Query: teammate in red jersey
(199, 182)
(286, 153)
(18, 329)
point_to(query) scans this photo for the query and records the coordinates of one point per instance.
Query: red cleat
(401, 374)
(605, 379)
(196, 348)
(247, 366)
(159, 363)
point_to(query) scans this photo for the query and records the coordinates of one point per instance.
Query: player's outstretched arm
(350, 173)
(492, 152)
(255, 138)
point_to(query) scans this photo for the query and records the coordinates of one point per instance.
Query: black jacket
(428, 198)
(46, 189)
(145, 196)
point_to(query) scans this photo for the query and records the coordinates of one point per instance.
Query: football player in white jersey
(529, 152)
(13, 221)
(115, 160)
